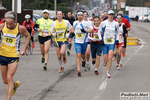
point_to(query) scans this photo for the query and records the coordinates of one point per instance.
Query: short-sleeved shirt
(45, 25)
(79, 36)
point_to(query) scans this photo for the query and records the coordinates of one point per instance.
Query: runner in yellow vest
(44, 36)
(10, 50)
(59, 31)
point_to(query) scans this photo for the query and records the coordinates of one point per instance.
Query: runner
(122, 33)
(44, 36)
(58, 30)
(96, 47)
(88, 50)
(109, 29)
(71, 20)
(10, 50)
(81, 29)
(28, 23)
(126, 22)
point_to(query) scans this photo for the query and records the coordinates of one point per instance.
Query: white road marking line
(103, 85)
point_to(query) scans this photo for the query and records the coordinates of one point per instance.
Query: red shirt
(29, 26)
(92, 34)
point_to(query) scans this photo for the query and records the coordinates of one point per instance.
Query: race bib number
(9, 39)
(79, 34)
(60, 34)
(45, 33)
(96, 36)
(109, 40)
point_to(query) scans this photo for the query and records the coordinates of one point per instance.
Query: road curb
(132, 41)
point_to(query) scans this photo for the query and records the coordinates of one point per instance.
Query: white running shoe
(118, 68)
(108, 75)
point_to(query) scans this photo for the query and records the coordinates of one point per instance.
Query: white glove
(92, 39)
(54, 34)
(67, 35)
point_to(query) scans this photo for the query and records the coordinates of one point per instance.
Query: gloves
(102, 42)
(54, 34)
(117, 42)
(84, 31)
(67, 35)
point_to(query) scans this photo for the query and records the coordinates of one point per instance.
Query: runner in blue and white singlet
(109, 29)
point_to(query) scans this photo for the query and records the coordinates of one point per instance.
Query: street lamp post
(55, 5)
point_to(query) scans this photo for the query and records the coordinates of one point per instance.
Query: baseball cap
(110, 12)
(45, 10)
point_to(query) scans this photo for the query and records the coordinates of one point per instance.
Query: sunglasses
(119, 18)
(111, 14)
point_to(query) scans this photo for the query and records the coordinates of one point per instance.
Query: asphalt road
(37, 84)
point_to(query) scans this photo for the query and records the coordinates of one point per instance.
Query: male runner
(88, 50)
(10, 50)
(81, 29)
(109, 29)
(122, 33)
(44, 36)
(59, 31)
(28, 23)
(96, 42)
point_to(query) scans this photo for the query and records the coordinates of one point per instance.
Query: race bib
(79, 34)
(60, 34)
(96, 36)
(45, 33)
(120, 37)
(9, 39)
(109, 40)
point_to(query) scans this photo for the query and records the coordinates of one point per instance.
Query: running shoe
(96, 72)
(79, 73)
(33, 45)
(105, 64)
(68, 52)
(112, 58)
(61, 69)
(64, 59)
(108, 75)
(120, 65)
(118, 68)
(123, 54)
(18, 84)
(45, 67)
(43, 60)
(88, 66)
(83, 63)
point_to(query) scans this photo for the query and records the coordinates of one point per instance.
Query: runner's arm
(99, 31)
(124, 31)
(32, 27)
(117, 32)
(23, 24)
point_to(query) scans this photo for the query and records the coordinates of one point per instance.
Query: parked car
(141, 18)
(36, 17)
(146, 17)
